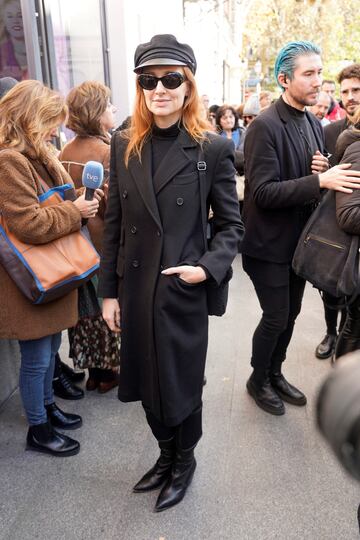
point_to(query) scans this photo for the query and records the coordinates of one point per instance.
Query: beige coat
(74, 156)
(19, 187)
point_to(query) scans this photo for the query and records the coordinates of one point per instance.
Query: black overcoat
(164, 320)
(348, 204)
(332, 132)
(277, 184)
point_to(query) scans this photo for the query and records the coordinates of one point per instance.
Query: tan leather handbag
(44, 272)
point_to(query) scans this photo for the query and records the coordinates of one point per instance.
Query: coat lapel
(174, 161)
(142, 174)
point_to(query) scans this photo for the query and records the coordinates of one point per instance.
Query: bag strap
(44, 185)
(201, 167)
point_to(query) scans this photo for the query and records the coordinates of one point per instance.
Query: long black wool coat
(164, 320)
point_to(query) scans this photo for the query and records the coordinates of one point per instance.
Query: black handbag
(216, 295)
(325, 255)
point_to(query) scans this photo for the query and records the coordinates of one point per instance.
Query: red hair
(142, 119)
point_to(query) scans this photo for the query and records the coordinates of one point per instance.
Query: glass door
(76, 41)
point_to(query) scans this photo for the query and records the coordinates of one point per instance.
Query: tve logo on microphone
(92, 178)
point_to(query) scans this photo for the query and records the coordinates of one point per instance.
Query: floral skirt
(92, 343)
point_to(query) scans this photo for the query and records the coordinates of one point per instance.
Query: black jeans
(280, 292)
(349, 338)
(331, 313)
(187, 434)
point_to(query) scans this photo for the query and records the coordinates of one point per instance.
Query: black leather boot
(265, 396)
(74, 376)
(156, 476)
(326, 347)
(179, 480)
(61, 419)
(349, 337)
(287, 391)
(61, 367)
(43, 438)
(64, 388)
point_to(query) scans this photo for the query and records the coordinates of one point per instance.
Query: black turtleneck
(306, 134)
(161, 141)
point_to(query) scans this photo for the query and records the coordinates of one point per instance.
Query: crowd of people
(187, 186)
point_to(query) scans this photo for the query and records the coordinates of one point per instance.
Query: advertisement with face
(13, 61)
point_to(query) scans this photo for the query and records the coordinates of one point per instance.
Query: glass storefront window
(13, 60)
(77, 41)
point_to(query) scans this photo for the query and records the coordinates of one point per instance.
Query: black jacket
(164, 320)
(348, 204)
(277, 186)
(332, 132)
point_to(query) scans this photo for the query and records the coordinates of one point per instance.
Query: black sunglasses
(170, 80)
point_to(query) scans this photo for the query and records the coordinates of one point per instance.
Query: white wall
(131, 22)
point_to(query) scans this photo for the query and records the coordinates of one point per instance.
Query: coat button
(158, 233)
(125, 194)
(180, 201)
(133, 230)
(135, 263)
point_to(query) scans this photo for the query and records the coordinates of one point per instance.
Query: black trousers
(280, 292)
(187, 434)
(349, 337)
(331, 313)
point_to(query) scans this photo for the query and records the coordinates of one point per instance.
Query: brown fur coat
(19, 187)
(74, 156)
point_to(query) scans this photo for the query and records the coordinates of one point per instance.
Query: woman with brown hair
(29, 114)
(92, 344)
(155, 263)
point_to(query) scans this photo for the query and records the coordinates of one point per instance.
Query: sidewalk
(259, 477)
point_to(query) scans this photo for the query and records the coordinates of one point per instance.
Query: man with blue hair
(285, 169)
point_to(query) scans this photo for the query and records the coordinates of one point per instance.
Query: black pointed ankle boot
(44, 438)
(179, 480)
(156, 476)
(61, 419)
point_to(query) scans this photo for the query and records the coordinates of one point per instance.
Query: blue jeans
(36, 375)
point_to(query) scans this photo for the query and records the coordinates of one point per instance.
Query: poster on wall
(13, 60)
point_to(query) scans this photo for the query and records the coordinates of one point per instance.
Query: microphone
(92, 178)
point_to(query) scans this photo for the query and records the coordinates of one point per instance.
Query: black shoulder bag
(217, 295)
(326, 256)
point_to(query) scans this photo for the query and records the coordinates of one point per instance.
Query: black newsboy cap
(164, 50)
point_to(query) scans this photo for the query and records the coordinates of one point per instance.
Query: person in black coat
(155, 265)
(348, 216)
(285, 168)
(349, 80)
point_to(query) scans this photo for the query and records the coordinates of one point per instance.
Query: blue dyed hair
(286, 59)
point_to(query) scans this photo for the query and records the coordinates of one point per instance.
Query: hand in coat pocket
(189, 274)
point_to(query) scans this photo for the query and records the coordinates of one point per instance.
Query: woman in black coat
(155, 264)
